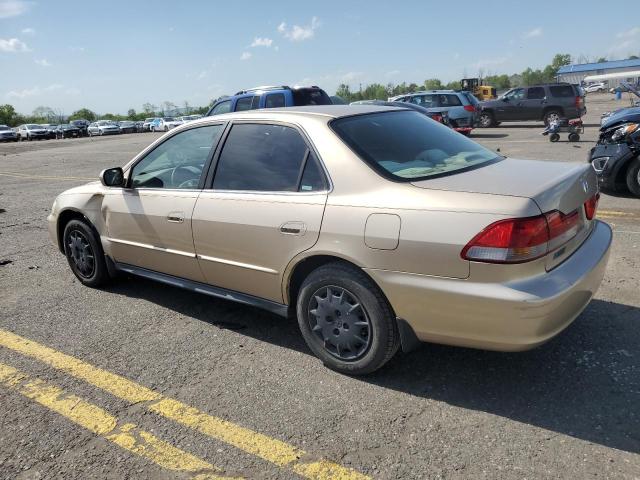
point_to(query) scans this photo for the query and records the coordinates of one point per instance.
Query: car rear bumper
(509, 316)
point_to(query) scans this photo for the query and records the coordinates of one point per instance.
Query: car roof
(333, 111)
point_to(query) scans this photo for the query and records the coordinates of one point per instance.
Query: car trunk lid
(564, 187)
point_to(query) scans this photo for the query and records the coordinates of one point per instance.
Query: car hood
(88, 188)
(630, 114)
(552, 185)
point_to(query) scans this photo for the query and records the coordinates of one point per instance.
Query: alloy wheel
(80, 252)
(339, 323)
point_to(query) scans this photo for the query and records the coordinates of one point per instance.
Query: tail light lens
(470, 108)
(590, 206)
(579, 102)
(519, 240)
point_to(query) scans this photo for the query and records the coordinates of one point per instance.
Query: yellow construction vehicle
(481, 92)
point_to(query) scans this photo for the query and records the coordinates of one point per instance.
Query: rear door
(265, 205)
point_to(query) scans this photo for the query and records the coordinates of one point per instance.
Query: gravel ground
(569, 409)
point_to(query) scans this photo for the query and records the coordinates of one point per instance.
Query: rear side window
(562, 91)
(275, 100)
(535, 93)
(244, 103)
(261, 157)
(310, 96)
(222, 107)
(425, 101)
(312, 177)
(447, 100)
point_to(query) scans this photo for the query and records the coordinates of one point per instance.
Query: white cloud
(33, 92)
(456, 56)
(43, 62)
(72, 91)
(351, 76)
(245, 56)
(78, 49)
(490, 62)
(392, 73)
(261, 42)
(297, 33)
(536, 32)
(201, 75)
(29, 31)
(629, 33)
(13, 45)
(13, 8)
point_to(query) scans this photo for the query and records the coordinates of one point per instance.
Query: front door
(533, 104)
(149, 223)
(510, 106)
(265, 206)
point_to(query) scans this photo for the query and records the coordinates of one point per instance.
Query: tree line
(379, 91)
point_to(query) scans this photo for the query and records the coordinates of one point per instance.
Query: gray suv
(461, 107)
(546, 102)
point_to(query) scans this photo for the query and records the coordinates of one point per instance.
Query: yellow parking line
(99, 421)
(275, 451)
(614, 213)
(42, 177)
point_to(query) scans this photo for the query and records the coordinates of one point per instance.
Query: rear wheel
(486, 120)
(574, 137)
(345, 320)
(84, 254)
(554, 137)
(633, 177)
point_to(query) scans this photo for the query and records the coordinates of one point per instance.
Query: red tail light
(579, 102)
(590, 206)
(518, 240)
(470, 108)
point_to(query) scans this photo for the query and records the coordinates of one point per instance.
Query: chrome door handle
(293, 228)
(175, 217)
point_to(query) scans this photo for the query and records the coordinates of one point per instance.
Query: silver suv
(462, 107)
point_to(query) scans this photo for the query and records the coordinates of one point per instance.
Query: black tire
(633, 177)
(574, 137)
(552, 115)
(84, 253)
(361, 311)
(554, 137)
(487, 120)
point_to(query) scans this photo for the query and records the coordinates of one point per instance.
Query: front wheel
(345, 320)
(486, 120)
(84, 254)
(633, 177)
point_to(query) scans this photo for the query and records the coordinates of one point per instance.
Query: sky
(110, 56)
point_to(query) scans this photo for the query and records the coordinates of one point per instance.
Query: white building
(576, 73)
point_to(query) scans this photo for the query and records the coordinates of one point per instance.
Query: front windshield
(4, 127)
(168, 119)
(33, 126)
(408, 145)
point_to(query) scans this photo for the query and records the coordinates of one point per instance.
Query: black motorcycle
(616, 156)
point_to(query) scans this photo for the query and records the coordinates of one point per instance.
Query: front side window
(260, 157)
(409, 145)
(243, 104)
(515, 94)
(179, 161)
(425, 101)
(222, 107)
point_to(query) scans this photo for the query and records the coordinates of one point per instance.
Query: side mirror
(112, 177)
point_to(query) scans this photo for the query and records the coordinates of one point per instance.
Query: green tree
(601, 60)
(633, 57)
(83, 113)
(433, 84)
(131, 114)
(7, 115)
(43, 113)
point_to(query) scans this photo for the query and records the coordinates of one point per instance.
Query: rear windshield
(562, 91)
(472, 98)
(406, 146)
(310, 96)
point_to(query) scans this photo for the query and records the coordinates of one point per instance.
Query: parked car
(67, 131)
(103, 127)
(376, 226)
(164, 124)
(82, 125)
(146, 125)
(271, 97)
(139, 126)
(32, 131)
(461, 106)
(51, 129)
(438, 116)
(127, 127)
(616, 156)
(547, 102)
(599, 87)
(188, 118)
(7, 134)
